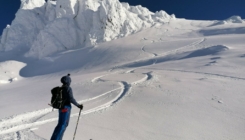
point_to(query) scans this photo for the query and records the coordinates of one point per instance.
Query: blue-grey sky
(189, 9)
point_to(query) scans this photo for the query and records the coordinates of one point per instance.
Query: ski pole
(77, 124)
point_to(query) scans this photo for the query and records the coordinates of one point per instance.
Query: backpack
(57, 99)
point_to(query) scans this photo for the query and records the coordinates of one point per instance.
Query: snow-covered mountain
(42, 28)
(156, 77)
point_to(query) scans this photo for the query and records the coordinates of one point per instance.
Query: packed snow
(156, 77)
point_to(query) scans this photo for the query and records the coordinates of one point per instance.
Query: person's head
(66, 80)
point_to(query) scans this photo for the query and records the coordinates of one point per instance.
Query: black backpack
(57, 99)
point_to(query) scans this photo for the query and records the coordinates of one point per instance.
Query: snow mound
(233, 19)
(9, 71)
(31, 4)
(43, 28)
(213, 50)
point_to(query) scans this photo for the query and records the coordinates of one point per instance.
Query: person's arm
(72, 100)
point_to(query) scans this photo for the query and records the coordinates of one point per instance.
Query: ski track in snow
(18, 124)
(175, 50)
(192, 45)
(151, 54)
(208, 74)
(22, 122)
(147, 77)
(154, 56)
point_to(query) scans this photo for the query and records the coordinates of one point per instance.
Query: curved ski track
(20, 123)
(154, 57)
(13, 126)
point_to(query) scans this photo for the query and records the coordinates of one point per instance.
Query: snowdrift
(233, 19)
(9, 71)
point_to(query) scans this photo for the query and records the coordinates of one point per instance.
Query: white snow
(9, 71)
(157, 77)
(31, 4)
(233, 19)
(65, 24)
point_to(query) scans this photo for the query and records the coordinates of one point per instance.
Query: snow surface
(42, 28)
(180, 80)
(9, 71)
(233, 19)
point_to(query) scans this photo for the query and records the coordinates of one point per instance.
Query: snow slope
(182, 80)
(42, 28)
(9, 71)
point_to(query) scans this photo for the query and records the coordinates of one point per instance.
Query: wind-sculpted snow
(42, 28)
(209, 32)
(24, 29)
(233, 19)
(31, 4)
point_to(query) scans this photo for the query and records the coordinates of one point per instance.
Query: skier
(64, 114)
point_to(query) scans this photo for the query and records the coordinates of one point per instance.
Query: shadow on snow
(214, 50)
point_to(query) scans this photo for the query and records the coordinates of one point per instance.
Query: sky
(189, 9)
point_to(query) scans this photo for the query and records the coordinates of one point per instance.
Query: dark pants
(64, 117)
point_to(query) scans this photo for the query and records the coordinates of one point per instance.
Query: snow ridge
(42, 28)
(232, 19)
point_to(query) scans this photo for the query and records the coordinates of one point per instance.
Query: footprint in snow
(215, 98)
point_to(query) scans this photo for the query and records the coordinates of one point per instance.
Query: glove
(80, 106)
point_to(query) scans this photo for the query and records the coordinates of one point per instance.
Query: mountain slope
(181, 80)
(172, 81)
(42, 28)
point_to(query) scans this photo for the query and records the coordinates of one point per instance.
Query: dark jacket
(67, 91)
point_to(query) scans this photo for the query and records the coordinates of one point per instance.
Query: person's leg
(66, 122)
(64, 116)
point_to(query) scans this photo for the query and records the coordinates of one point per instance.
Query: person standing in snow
(64, 114)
